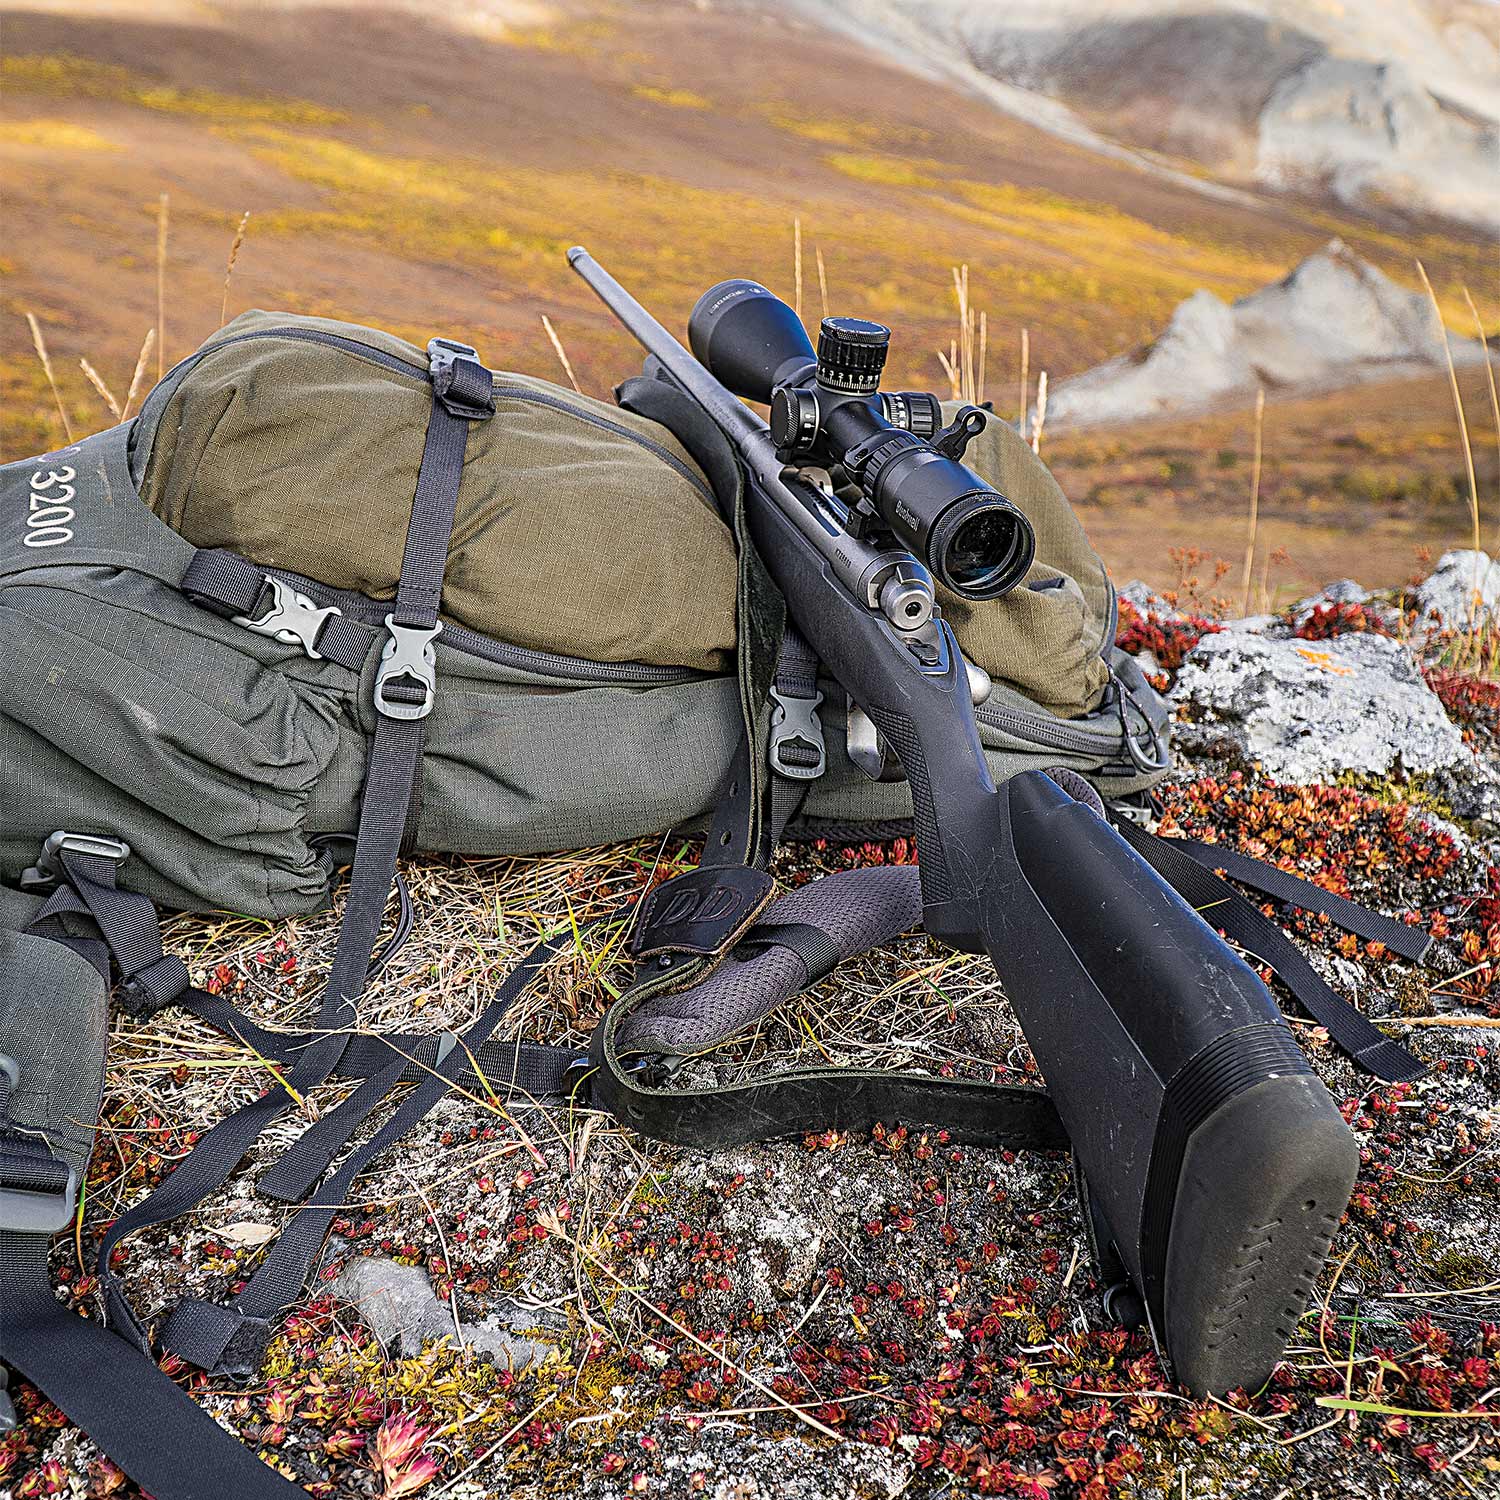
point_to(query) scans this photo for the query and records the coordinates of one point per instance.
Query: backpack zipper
(525, 658)
(405, 367)
(567, 668)
(1055, 735)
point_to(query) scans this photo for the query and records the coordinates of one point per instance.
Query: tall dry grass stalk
(97, 381)
(40, 345)
(1254, 527)
(562, 353)
(984, 356)
(1041, 412)
(949, 362)
(797, 266)
(1025, 415)
(1463, 428)
(1489, 370)
(234, 255)
(964, 362)
(822, 279)
(138, 379)
(163, 214)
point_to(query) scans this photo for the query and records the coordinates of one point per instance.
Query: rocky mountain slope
(1390, 103)
(1334, 321)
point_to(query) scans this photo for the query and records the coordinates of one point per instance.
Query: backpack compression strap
(1190, 871)
(404, 688)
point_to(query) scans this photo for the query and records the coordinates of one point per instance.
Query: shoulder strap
(52, 1026)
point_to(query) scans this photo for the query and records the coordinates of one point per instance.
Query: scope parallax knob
(851, 355)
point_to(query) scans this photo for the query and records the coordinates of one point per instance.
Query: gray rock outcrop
(1464, 590)
(1310, 711)
(1334, 320)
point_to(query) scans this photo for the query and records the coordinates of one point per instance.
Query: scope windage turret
(826, 408)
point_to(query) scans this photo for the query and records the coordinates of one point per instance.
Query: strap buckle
(573, 1085)
(46, 873)
(38, 1193)
(293, 619)
(408, 666)
(797, 750)
(444, 357)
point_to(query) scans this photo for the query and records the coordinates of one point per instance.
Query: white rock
(1309, 711)
(1334, 320)
(1464, 589)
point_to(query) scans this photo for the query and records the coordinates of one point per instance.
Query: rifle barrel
(736, 419)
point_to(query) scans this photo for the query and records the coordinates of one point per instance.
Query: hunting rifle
(1214, 1164)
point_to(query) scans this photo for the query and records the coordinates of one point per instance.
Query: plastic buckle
(1160, 756)
(443, 356)
(293, 619)
(30, 1208)
(409, 654)
(45, 874)
(573, 1085)
(795, 721)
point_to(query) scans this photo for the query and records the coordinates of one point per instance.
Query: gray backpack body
(222, 750)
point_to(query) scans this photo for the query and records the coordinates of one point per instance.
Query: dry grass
(97, 381)
(234, 255)
(40, 345)
(163, 217)
(1463, 423)
(562, 354)
(1254, 526)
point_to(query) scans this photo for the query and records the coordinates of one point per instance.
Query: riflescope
(827, 409)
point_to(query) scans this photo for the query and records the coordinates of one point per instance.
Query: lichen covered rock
(1314, 711)
(1463, 590)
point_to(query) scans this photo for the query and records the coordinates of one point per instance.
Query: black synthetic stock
(1117, 982)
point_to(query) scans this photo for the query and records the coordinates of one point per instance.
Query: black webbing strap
(231, 1340)
(157, 1433)
(226, 584)
(1400, 937)
(149, 978)
(404, 688)
(815, 948)
(1225, 908)
(152, 1428)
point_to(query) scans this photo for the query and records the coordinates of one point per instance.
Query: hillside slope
(425, 169)
(1391, 104)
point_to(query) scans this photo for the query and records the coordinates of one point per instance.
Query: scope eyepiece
(917, 411)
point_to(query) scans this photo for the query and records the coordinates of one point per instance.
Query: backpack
(329, 598)
(588, 639)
